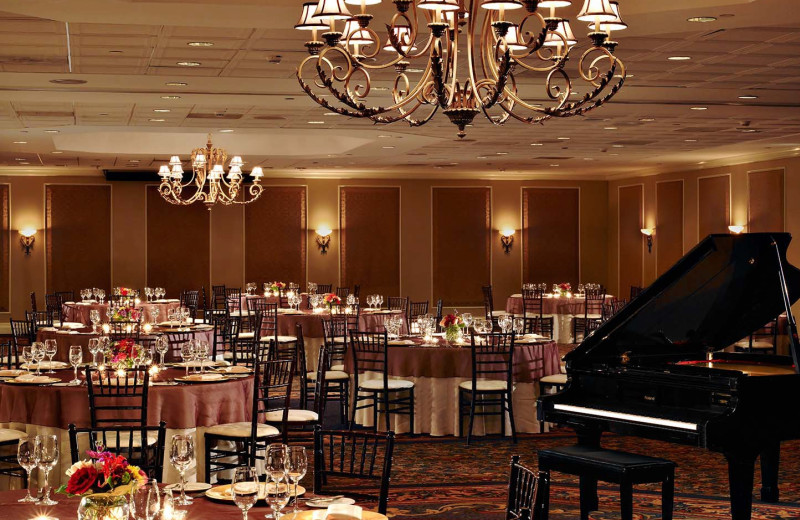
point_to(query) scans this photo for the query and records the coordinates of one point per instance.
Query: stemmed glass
(101, 295)
(26, 456)
(94, 317)
(154, 312)
(75, 359)
(519, 326)
(27, 357)
(202, 349)
(148, 293)
(94, 349)
(245, 489)
(162, 346)
(277, 467)
(467, 318)
(505, 323)
(181, 455)
(187, 354)
(50, 349)
(46, 453)
(380, 301)
(298, 465)
(38, 351)
(145, 501)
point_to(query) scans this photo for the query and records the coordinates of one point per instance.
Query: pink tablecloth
(312, 322)
(80, 313)
(561, 305)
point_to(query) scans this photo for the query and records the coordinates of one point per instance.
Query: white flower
(78, 465)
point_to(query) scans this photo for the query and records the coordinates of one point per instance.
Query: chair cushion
(767, 345)
(339, 367)
(555, 379)
(394, 384)
(339, 340)
(281, 339)
(242, 429)
(295, 416)
(491, 385)
(499, 313)
(330, 375)
(246, 335)
(124, 439)
(7, 435)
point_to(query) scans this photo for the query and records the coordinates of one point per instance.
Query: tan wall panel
(275, 236)
(765, 201)
(461, 236)
(178, 244)
(669, 224)
(630, 239)
(714, 205)
(78, 221)
(551, 235)
(5, 233)
(369, 221)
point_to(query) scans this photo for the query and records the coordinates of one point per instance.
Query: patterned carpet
(442, 478)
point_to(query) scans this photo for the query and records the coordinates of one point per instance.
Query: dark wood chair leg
(411, 412)
(626, 500)
(471, 417)
(460, 414)
(511, 419)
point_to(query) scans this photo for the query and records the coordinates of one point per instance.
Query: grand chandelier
(474, 59)
(208, 183)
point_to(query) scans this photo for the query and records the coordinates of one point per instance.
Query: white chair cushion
(485, 386)
(555, 379)
(281, 339)
(763, 344)
(246, 335)
(11, 435)
(124, 439)
(394, 384)
(295, 416)
(199, 320)
(330, 375)
(499, 313)
(340, 368)
(340, 340)
(534, 315)
(242, 429)
(594, 316)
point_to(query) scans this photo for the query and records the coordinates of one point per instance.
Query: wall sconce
(648, 232)
(27, 238)
(736, 229)
(507, 239)
(323, 239)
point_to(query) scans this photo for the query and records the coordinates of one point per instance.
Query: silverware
(326, 499)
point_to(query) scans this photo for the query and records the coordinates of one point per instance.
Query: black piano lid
(725, 288)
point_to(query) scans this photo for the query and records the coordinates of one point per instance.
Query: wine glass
(75, 359)
(519, 326)
(94, 349)
(38, 351)
(26, 456)
(245, 489)
(101, 294)
(276, 467)
(162, 346)
(181, 455)
(187, 354)
(202, 350)
(505, 323)
(46, 453)
(94, 317)
(27, 357)
(279, 498)
(145, 501)
(50, 349)
(298, 465)
(467, 318)
(380, 301)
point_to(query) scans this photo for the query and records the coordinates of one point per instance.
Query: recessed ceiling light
(690, 140)
(749, 130)
(170, 97)
(481, 157)
(52, 131)
(200, 44)
(20, 142)
(647, 119)
(502, 153)
(588, 158)
(25, 163)
(617, 145)
(157, 120)
(57, 152)
(188, 64)
(162, 110)
(387, 147)
(748, 96)
(564, 138)
(330, 114)
(384, 136)
(702, 19)
(19, 159)
(610, 128)
(699, 108)
(679, 58)
(554, 165)
(537, 144)
(629, 75)
(226, 131)
(316, 122)
(176, 84)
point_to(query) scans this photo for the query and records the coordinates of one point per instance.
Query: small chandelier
(208, 184)
(472, 60)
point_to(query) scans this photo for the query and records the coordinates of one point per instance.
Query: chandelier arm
(392, 40)
(499, 84)
(353, 93)
(438, 80)
(579, 109)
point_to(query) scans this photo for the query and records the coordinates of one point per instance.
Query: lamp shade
(564, 29)
(403, 35)
(614, 25)
(555, 3)
(495, 5)
(364, 2)
(441, 5)
(328, 10)
(513, 39)
(308, 20)
(596, 11)
(257, 172)
(163, 171)
(354, 34)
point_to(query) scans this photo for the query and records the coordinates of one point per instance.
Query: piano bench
(625, 469)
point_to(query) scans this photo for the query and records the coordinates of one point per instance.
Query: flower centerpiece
(452, 325)
(102, 482)
(330, 300)
(565, 289)
(122, 353)
(125, 312)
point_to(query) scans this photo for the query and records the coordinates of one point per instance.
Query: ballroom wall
(684, 207)
(151, 241)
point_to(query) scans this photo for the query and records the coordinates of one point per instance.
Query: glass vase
(452, 334)
(103, 506)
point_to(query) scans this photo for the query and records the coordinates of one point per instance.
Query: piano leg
(741, 465)
(588, 486)
(770, 459)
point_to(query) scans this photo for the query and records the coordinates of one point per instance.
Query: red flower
(114, 468)
(450, 320)
(123, 292)
(82, 480)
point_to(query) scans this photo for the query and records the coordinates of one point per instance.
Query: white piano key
(626, 417)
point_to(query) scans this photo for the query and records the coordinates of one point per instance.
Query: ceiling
(127, 51)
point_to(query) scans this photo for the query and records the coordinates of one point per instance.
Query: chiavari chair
(527, 493)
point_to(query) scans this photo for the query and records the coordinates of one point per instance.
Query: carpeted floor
(442, 478)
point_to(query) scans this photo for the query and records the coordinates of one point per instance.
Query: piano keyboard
(596, 412)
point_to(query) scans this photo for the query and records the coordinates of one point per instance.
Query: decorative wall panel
(714, 205)
(78, 230)
(461, 234)
(275, 236)
(5, 233)
(369, 219)
(631, 241)
(551, 235)
(669, 224)
(765, 201)
(178, 245)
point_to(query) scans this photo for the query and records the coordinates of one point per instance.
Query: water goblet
(519, 326)
(50, 349)
(38, 351)
(279, 497)
(245, 489)
(46, 453)
(380, 301)
(94, 317)
(298, 465)
(26, 457)
(187, 354)
(75, 359)
(94, 349)
(181, 455)
(27, 357)
(162, 346)
(467, 318)
(145, 501)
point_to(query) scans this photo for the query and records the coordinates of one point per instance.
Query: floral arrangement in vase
(123, 353)
(331, 299)
(452, 325)
(125, 313)
(565, 288)
(103, 473)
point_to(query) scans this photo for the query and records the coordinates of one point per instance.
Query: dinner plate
(191, 487)
(46, 365)
(234, 370)
(200, 381)
(14, 372)
(321, 502)
(50, 381)
(309, 515)
(224, 492)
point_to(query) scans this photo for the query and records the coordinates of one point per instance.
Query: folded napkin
(235, 369)
(401, 342)
(47, 365)
(67, 332)
(72, 325)
(533, 336)
(48, 329)
(68, 303)
(204, 377)
(339, 512)
(516, 296)
(206, 363)
(32, 378)
(14, 372)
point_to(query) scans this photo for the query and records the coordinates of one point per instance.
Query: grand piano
(656, 369)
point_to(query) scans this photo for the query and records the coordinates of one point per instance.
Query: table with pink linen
(438, 370)
(186, 408)
(562, 308)
(79, 312)
(240, 302)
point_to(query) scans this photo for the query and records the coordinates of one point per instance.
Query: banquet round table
(437, 370)
(80, 312)
(562, 308)
(186, 408)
